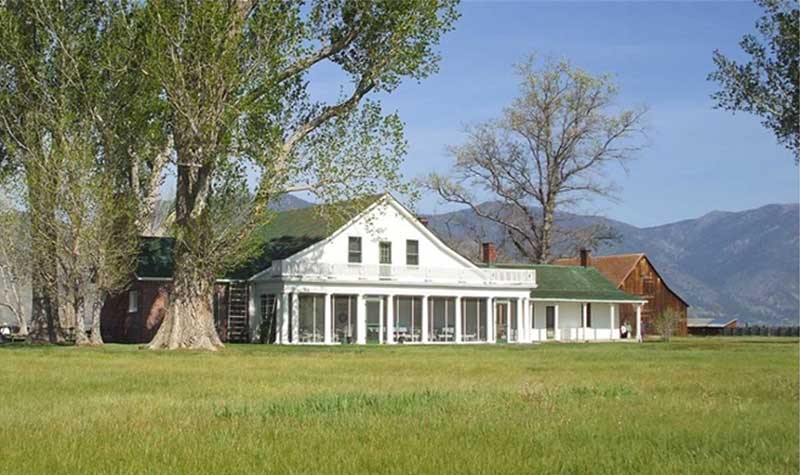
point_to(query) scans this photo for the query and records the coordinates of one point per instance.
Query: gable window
(133, 301)
(385, 252)
(412, 252)
(354, 250)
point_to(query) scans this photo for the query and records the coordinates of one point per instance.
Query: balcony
(404, 274)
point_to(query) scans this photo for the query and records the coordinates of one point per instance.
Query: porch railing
(379, 272)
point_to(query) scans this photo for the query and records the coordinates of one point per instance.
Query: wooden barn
(635, 274)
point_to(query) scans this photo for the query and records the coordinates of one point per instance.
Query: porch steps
(238, 329)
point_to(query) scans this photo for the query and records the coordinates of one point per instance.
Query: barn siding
(659, 297)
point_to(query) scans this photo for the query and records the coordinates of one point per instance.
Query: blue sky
(699, 159)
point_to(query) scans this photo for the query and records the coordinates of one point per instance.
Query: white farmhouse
(381, 278)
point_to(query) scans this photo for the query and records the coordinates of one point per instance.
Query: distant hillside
(734, 264)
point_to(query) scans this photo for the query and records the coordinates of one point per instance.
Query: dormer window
(412, 252)
(354, 250)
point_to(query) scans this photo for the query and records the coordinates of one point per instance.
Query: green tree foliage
(233, 77)
(768, 85)
(62, 70)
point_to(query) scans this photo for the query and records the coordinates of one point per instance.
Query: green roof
(572, 283)
(287, 233)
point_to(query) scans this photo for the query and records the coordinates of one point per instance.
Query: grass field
(690, 406)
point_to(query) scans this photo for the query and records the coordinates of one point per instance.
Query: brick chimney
(585, 257)
(423, 220)
(488, 253)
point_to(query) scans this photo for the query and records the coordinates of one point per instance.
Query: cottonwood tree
(14, 257)
(74, 128)
(234, 77)
(546, 154)
(768, 85)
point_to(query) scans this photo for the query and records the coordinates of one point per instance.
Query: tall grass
(707, 405)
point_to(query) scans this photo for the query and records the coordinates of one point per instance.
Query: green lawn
(690, 406)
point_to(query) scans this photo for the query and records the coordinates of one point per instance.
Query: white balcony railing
(353, 272)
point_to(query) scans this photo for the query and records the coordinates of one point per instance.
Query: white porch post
(612, 310)
(639, 322)
(295, 317)
(381, 321)
(526, 320)
(361, 320)
(508, 322)
(491, 332)
(328, 320)
(458, 319)
(584, 313)
(425, 318)
(520, 321)
(390, 319)
(556, 330)
(284, 318)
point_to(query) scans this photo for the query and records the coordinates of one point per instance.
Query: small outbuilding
(709, 326)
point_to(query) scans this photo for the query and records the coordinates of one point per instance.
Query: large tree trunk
(189, 319)
(95, 335)
(548, 215)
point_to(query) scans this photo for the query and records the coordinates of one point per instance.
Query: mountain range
(743, 265)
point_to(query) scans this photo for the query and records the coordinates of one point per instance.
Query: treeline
(99, 100)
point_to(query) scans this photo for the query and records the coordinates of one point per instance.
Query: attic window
(354, 250)
(412, 252)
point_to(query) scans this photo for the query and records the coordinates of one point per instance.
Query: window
(133, 301)
(412, 252)
(354, 250)
(385, 256)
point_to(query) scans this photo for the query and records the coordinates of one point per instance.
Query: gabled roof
(288, 233)
(572, 283)
(615, 268)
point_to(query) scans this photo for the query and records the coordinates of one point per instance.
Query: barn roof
(617, 268)
(287, 233)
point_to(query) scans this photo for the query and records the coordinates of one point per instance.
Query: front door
(375, 324)
(551, 321)
(501, 316)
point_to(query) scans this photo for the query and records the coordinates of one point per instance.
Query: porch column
(584, 313)
(284, 318)
(491, 332)
(612, 310)
(390, 319)
(508, 323)
(639, 322)
(328, 320)
(425, 318)
(458, 319)
(556, 330)
(295, 317)
(520, 320)
(361, 320)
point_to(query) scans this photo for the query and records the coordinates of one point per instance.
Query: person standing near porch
(623, 331)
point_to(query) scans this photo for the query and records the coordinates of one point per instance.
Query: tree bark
(95, 335)
(189, 319)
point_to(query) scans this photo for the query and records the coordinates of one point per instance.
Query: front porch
(320, 315)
